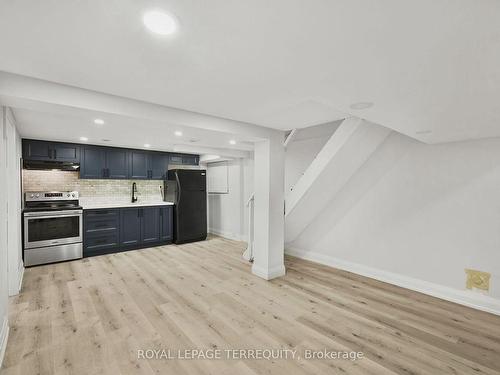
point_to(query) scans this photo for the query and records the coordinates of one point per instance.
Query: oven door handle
(49, 215)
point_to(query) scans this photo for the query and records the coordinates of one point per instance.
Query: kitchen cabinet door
(190, 160)
(93, 162)
(150, 224)
(36, 150)
(66, 152)
(117, 163)
(166, 223)
(139, 165)
(175, 159)
(158, 166)
(130, 226)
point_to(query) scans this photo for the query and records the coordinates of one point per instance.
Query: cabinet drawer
(101, 242)
(102, 214)
(101, 225)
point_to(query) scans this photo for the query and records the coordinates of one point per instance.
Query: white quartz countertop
(97, 205)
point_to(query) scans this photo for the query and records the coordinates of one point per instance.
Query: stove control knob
(32, 196)
(73, 195)
(37, 196)
(68, 195)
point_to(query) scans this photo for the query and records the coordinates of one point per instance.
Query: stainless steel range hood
(50, 165)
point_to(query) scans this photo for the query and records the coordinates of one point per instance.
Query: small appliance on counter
(52, 227)
(187, 188)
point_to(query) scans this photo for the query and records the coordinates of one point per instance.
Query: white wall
(416, 215)
(298, 156)
(14, 150)
(10, 219)
(303, 148)
(227, 213)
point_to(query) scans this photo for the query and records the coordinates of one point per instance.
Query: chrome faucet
(134, 192)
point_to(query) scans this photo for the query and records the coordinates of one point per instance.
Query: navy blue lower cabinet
(100, 231)
(166, 223)
(150, 224)
(121, 229)
(130, 226)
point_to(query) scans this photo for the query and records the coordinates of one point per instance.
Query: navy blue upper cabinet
(148, 165)
(190, 160)
(130, 226)
(150, 224)
(158, 166)
(66, 152)
(36, 150)
(117, 163)
(50, 151)
(139, 164)
(93, 162)
(101, 162)
(176, 159)
(184, 159)
(104, 162)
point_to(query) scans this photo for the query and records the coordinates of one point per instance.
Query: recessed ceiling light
(361, 105)
(232, 142)
(84, 139)
(147, 145)
(178, 133)
(99, 121)
(159, 22)
(106, 140)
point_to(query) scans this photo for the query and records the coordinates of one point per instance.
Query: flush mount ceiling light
(361, 105)
(232, 142)
(99, 121)
(84, 139)
(147, 145)
(178, 133)
(159, 22)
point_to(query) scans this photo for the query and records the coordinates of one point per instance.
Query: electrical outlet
(477, 280)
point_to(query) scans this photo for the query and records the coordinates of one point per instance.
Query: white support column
(269, 218)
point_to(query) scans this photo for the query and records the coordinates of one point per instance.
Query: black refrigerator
(190, 198)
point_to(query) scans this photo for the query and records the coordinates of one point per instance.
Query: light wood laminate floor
(92, 316)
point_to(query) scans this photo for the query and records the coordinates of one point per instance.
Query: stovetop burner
(52, 207)
(51, 201)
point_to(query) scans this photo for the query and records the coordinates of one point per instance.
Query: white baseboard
(228, 235)
(268, 274)
(4, 335)
(463, 297)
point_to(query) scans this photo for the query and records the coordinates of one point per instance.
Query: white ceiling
(120, 131)
(427, 65)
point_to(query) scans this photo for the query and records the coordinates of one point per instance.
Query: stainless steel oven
(53, 227)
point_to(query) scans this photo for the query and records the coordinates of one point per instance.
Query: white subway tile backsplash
(95, 190)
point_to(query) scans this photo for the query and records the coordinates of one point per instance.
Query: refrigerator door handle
(179, 190)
